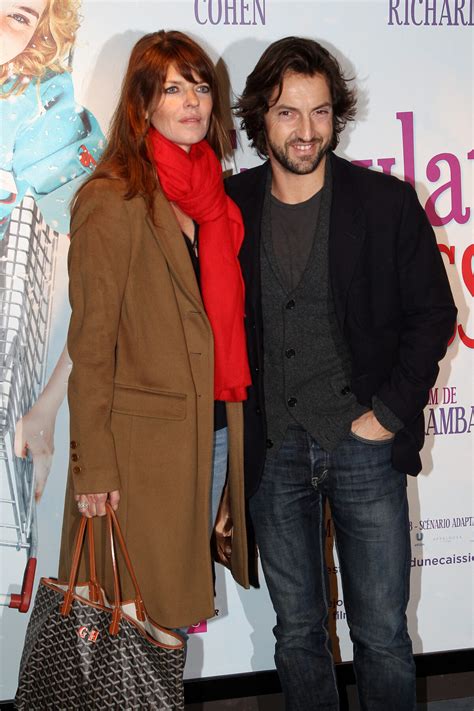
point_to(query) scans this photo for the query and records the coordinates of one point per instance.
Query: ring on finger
(82, 505)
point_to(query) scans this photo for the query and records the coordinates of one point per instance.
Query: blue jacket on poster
(48, 144)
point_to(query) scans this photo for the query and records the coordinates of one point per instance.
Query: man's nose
(306, 128)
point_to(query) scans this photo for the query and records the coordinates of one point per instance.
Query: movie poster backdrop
(60, 74)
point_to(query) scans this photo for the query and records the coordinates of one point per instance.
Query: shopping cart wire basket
(27, 265)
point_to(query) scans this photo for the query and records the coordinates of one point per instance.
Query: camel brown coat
(141, 400)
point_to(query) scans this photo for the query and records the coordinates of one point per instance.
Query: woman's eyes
(199, 88)
(21, 19)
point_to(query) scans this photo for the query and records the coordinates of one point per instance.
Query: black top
(220, 419)
(293, 232)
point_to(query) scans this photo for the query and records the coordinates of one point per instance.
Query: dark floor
(433, 693)
(274, 702)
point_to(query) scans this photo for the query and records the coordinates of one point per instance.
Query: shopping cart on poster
(27, 263)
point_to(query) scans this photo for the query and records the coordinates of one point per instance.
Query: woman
(149, 355)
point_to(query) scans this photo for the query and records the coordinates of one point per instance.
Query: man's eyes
(286, 113)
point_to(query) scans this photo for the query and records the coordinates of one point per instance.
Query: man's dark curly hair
(302, 56)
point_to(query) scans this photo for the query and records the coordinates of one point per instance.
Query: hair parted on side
(127, 155)
(297, 55)
(48, 49)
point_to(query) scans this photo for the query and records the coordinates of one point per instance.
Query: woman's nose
(191, 98)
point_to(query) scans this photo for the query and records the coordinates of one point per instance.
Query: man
(348, 313)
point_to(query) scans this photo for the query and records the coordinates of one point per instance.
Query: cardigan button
(76, 470)
(73, 444)
(269, 443)
(292, 401)
(74, 457)
(290, 304)
(345, 390)
(290, 352)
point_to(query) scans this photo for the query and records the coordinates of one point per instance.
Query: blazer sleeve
(99, 258)
(428, 313)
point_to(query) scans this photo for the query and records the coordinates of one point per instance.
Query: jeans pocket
(372, 442)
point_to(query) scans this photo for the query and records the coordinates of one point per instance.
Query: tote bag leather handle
(95, 591)
(114, 533)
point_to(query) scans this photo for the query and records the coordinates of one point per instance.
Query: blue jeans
(369, 510)
(219, 471)
(219, 474)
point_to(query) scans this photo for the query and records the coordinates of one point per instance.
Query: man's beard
(303, 166)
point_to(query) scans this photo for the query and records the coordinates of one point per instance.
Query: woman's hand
(34, 434)
(221, 539)
(91, 505)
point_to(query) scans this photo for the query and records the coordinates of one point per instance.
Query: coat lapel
(250, 203)
(346, 234)
(170, 239)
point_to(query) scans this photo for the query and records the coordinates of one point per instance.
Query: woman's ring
(82, 505)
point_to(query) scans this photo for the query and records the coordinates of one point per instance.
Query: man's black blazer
(392, 298)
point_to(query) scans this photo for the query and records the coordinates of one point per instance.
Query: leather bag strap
(117, 611)
(76, 557)
(95, 591)
(114, 533)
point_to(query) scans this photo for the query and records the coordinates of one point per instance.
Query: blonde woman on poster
(48, 144)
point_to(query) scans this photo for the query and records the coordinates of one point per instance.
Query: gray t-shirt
(293, 230)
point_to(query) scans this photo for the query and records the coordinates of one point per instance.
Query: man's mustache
(304, 141)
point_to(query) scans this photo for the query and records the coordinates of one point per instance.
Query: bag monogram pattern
(73, 663)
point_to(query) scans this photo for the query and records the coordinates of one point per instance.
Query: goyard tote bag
(83, 653)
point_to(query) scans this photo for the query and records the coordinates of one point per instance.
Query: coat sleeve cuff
(386, 416)
(93, 482)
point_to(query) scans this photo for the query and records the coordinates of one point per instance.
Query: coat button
(76, 470)
(290, 352)
(74, 457)
(345, 390)
(290, 304)
(292, 401)
(269, 443)
(73, 444)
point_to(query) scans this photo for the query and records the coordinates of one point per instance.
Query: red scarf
(194, 182)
